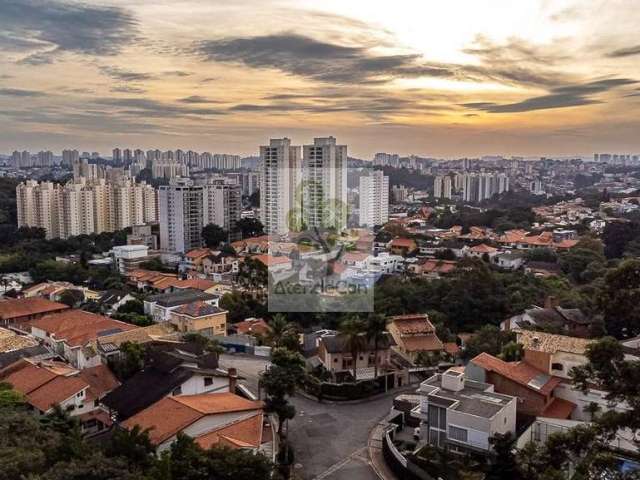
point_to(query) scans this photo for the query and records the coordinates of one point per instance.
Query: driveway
(330, 441)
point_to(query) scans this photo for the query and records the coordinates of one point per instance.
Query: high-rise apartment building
(280, 185)
(116, 156)
(386, 159)
(84, 207)
(181, 214)
(223, 206)
(324, 166)
(69, 157)
(374, 199)
(482, 186)
(442, 186)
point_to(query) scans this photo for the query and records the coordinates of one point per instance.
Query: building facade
(374, 199)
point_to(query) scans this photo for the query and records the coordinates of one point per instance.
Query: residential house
(480, 251)
(461, 414)
(533, 387)
(432, 268)
(193, 259)
(542, 269)
(252, 326)
(356, 260)
(569, 321)
(108, 346)
(199, 317)
(275, 264)
(403, 246)
(220, 263)
(335, 355)
(160, 306)
(46, 384)
(218, 419)
(183, 369)
(16, 313)
(54, 290)
(129, 257)
(111, 300)
(72, 334)
(414, 334)
(509, 260)
(385, 263)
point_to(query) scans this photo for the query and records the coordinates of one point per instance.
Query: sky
(434, 78)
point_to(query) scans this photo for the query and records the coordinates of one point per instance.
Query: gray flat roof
(472, 399)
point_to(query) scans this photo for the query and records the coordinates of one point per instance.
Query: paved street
(330, 440)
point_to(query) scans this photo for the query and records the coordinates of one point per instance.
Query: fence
(349, 391)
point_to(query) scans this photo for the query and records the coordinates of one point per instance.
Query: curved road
(330, 440)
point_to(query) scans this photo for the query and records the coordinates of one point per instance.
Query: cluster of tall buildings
(85, 206)
(472, 187)
(303, 187)
(623, 160)
(204, 160)
(186, 207)
(25, 159)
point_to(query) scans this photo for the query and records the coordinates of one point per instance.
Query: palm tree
(376, 333)
(281, 331)
(353, 331)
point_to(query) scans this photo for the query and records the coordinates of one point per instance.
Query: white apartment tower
(374, 199)
(280, 185)
(223, 206)
(325, 184)
(442, 186)
(181, 214)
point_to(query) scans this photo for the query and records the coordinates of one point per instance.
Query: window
(208, 381)
(177, 391)
(456, 433)
(557, 366)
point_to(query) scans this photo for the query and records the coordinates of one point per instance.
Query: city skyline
(539, 78)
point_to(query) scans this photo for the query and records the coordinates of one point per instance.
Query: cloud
(195, 99)
(48, 28)
(145, 107)
(18, 92)
(323, 61)
(127, 89)
(625, 52)
(558, 97)
(124, 74)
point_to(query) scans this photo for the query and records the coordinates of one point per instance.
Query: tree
(353, 331)
(241, 305)
(133, 445)
(617, 235)
(577, 260)
(132, 306)
(619, 300)
(130, 361)
(253, 274)
(282, 333)
(376, 332)
(512, 352)
(213, 235)
(71, 297)
(489, 339)
(503, 463)
(250, 227)
(207, 345)
(10, 398)
(286, 371)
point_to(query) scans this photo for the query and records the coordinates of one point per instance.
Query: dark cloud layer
(145, 107)
(558, 97)
(625, 52)
(125, 75)
(18, 92)
(45, 28)
(323, 61)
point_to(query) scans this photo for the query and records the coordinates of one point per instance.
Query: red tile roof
(412, 324)
(44, 385)
(483, 248)
(519, 372)
(270, 260)
(78, 327)
(241, 434)
(197, 253)
(173, 414)
(24, 307)
(559, 408)
(403, 243)
(255, 325)
(100, 380)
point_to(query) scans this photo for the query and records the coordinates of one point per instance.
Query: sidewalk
(375, 452)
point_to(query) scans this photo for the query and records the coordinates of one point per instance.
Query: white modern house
(462, 414)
